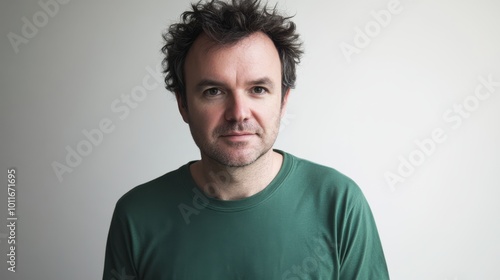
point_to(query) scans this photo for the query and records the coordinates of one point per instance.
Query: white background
(359, 117)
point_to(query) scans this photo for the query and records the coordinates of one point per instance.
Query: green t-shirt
(310, 222)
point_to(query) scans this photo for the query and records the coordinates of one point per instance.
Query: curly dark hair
(227, 23)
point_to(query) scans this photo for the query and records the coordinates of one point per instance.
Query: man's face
(233, 97)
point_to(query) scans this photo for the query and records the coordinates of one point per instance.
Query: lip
(238, 136)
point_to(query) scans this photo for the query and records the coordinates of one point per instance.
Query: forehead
(249, 58)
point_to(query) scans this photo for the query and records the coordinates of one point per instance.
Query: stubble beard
(235, 154)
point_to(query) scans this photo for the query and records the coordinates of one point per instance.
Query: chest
(270, 244)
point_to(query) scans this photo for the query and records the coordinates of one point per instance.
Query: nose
(237, 108)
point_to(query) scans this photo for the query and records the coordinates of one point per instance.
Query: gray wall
(364, 104)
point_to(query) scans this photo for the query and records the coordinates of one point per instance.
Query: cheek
(205, 119)
(269, 116)
(274, 109)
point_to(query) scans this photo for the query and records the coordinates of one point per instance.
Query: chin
(236, 159)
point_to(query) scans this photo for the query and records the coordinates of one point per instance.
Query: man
(244, 210)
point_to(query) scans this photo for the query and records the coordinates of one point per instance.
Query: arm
(119, 264)
(361, 253)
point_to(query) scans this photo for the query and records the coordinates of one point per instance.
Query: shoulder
(324, 179)
(319, 173)
(159, 192)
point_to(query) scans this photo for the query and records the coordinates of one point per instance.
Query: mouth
(238, 136)
(233, 134)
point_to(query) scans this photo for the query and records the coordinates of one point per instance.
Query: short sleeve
(118, 263)
(361, 253)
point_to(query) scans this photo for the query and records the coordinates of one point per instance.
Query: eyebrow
(209, 82)
(263, 81)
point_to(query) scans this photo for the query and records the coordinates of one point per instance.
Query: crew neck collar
(251, 201)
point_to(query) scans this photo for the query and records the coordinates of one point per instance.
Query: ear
(284, 102)
(182, 107)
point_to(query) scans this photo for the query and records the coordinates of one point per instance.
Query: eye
(259, 90)
(211, 92)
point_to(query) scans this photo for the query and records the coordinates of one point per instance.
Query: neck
(232, 183)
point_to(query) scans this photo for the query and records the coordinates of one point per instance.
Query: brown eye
(259, 90)
(212, 92)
